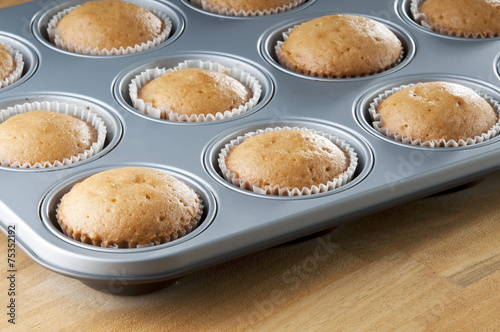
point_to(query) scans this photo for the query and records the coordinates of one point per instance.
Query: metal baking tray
(236, 222)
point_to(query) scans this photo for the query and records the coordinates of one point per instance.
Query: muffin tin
(235, 222)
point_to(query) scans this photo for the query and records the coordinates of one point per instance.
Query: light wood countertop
(428, 265)
(8, 3)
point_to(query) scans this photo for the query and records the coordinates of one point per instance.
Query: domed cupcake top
(42, 136)
(194, 91)
(288, 161)
(108, 27)
(462, 18)
(437, 111)
(129, 207)
(340, 46)
(7, 63)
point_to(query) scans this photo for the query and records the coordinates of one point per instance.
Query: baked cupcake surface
(249, 6)
(288, 158)
(435, 111)
(109, 24)
(194, 91)
(129, 207)
(41, 136)
(338, 46)
(7, 63)
(463, 17)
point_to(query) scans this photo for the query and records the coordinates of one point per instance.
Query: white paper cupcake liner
(80, 237)
(166, 113)
(377, 120)
(294, 68)
(277, 190)
(231, 12)
(423, 20)
(80, 112)
(18, 71)
(54, 37)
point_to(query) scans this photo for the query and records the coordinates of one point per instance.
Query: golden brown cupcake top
(247, 6)
(44, 136)
(437, 110)
(195, 91)
(109, 24)
(289, 158)
(464, 17)
(7, 63)
(341, 46)
(129, 206)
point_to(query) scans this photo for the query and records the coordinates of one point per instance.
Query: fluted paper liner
(166, 113)
(18, 71)
(339, 181)
(232, 12)
(377, 120)
(294, 68)
(80, 112)
(81, 237)
(54, 37)
(423, 20)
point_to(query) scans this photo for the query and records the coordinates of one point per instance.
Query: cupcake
(36, 138)
(339, 46)
(247, 8)
(461, 18)
(194, 91)
(288, 162)
(111, 27)
(129, 207)
(11, 65)
(436, 114)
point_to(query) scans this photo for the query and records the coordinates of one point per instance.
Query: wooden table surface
(428, 265)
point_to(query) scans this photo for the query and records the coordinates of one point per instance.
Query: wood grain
(428, 265)
(8, 3)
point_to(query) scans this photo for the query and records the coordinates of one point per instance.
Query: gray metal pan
(236, 222)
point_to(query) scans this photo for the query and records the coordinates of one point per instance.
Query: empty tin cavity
(272, 39)
(343, 136)
(257, 76)
(172, 14)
